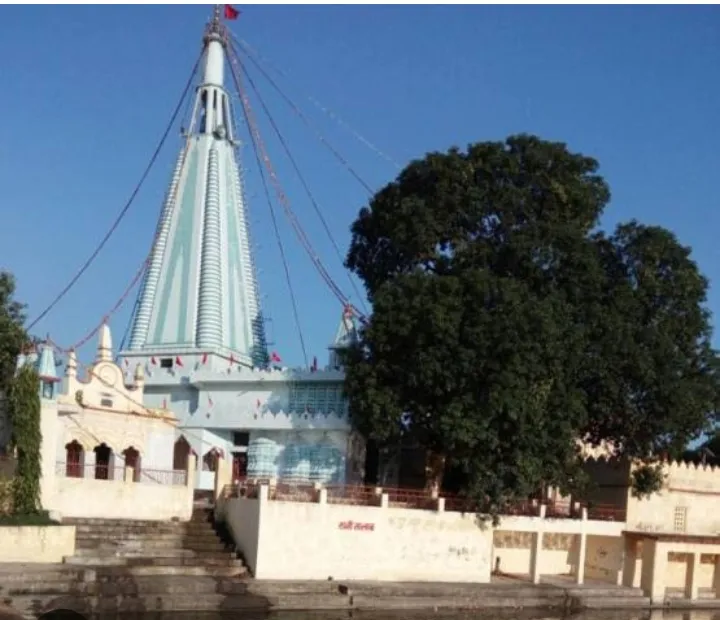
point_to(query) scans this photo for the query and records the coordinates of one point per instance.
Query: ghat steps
(134, 566)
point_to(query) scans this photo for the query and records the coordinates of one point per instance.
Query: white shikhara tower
(200, 291)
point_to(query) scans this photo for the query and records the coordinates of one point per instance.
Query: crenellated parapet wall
(688, 476)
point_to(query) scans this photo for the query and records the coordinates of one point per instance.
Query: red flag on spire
(274, 357)
(178, 361)
(231, 12)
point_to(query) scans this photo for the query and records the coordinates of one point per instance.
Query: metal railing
(75, 469)
(352, 495)
(361, 495)
(170, 477)
(606, 512)
(96, 471)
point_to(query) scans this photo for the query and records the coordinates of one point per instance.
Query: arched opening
(181, 453)
(74, 459)
(103, 462)
(132, 459)
(210, 460)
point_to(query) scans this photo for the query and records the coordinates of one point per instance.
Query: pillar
(580, 573)
(48, 452)
(692, 576)
(630, 576)
(223, 476)
(654, 570)
(191, 470)
(716, 578)
(535, 551)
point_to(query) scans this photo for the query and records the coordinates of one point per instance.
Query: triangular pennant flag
(274, 357)
(231, 12)
(153, 361)
(178, 361)
(204, 358)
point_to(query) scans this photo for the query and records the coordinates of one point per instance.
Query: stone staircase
(167, 548)
(135, 566)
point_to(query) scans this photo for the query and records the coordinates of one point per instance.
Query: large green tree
(12, 333)
(506, 325)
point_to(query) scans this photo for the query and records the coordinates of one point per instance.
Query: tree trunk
(372, 462)
(434, 472)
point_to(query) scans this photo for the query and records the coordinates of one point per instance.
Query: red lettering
(361, 527)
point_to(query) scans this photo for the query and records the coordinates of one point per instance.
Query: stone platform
(31, 590)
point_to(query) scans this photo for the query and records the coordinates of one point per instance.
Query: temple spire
(200, 291)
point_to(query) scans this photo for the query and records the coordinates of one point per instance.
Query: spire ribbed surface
(141, 323)
(200, 290)
(209, 326)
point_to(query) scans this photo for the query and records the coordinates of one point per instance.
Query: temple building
(198, 329)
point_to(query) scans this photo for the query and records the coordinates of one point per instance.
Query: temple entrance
(181, 454)
(239, 466)
(103, 457)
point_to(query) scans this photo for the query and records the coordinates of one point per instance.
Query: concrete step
(102, 561)
(613, 602)
(144, 551)
(102, 522)
(106, 606)
(211, 544)
(120, 530)
(43, 574)
(119, 572)
(604, 591)
(130, 535)
(107, 585)
(405, 589)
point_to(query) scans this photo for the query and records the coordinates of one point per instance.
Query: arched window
(181, 453)
(74, 459)
(210, 460)
(103, 462)
(132, 459)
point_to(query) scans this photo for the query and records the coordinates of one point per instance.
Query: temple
(198, 329)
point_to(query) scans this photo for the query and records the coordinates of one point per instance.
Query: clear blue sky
(89, 89)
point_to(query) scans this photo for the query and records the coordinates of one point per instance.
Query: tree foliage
(24, 409)
(12, 333)
(506, 325)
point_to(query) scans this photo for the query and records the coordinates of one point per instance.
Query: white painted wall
(35, 544)
(117, 499)
(320, 540)
(243, 521)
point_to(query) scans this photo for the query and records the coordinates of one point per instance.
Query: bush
(38, 518)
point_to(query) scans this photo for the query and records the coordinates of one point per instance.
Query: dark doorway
(103, 456)
(74, 460)
(181, 454)
(239, 466)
